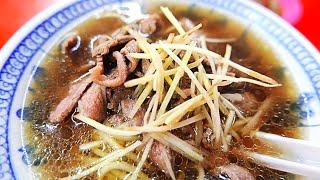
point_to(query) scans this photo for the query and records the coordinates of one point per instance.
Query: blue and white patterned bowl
(20, 57)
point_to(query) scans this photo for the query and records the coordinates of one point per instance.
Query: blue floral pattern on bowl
(19, 60)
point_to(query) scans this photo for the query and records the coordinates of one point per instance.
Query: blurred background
(300, 13)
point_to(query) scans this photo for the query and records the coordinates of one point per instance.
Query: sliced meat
(122, 73)
(176, 100)
(233, 97)
(71, 43)
(185, 82)
(67, 105)
(235, 172)
(86, 67)
(97, 70)
(187, 92)
(93, 103)
(100, 39)
(145, 66)
(127, 106)
(139, 74)
(150, 25)
(104, 47)
(131, 47)
(117, 95)
(186, 24)
(259, 119)
(192, 142)
(116, 120)
(157, 154)
(147, 26)
(248, 104)
(119, 32)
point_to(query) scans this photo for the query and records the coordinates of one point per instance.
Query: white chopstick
(300, 157)
(285, 165)
(298, 149)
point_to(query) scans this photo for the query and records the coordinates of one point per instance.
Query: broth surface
(52, 150)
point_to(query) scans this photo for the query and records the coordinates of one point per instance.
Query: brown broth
(54, 148)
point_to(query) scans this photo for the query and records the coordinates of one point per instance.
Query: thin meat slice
(116, 96)
(116, 119)
(119, 32)
(127, 106)
(71, 43)
(246, 102)
(100, 39)
(157, 154)
(122, 73)
(235, 172)
(86, 67)
(104, 47)
(97, 70)
(145, 66)
(123, 115)
(93, 103)
(186, 24)
(147, 26)
(259, 118)
(131, 47)
(150, 25)
(67, 105)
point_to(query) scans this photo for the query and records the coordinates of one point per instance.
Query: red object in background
(14, 13)
(308, 24)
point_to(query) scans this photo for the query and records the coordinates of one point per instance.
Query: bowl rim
(29, 25)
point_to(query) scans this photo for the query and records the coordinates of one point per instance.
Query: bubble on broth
(62, 154)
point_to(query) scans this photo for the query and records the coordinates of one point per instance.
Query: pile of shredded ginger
(204, 101)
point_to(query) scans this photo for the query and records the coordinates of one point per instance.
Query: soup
(154, 99)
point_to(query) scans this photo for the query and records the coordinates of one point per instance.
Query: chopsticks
(286, 165)
(295, 148)
(301, 157)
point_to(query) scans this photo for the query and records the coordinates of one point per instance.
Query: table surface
(14, 13)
